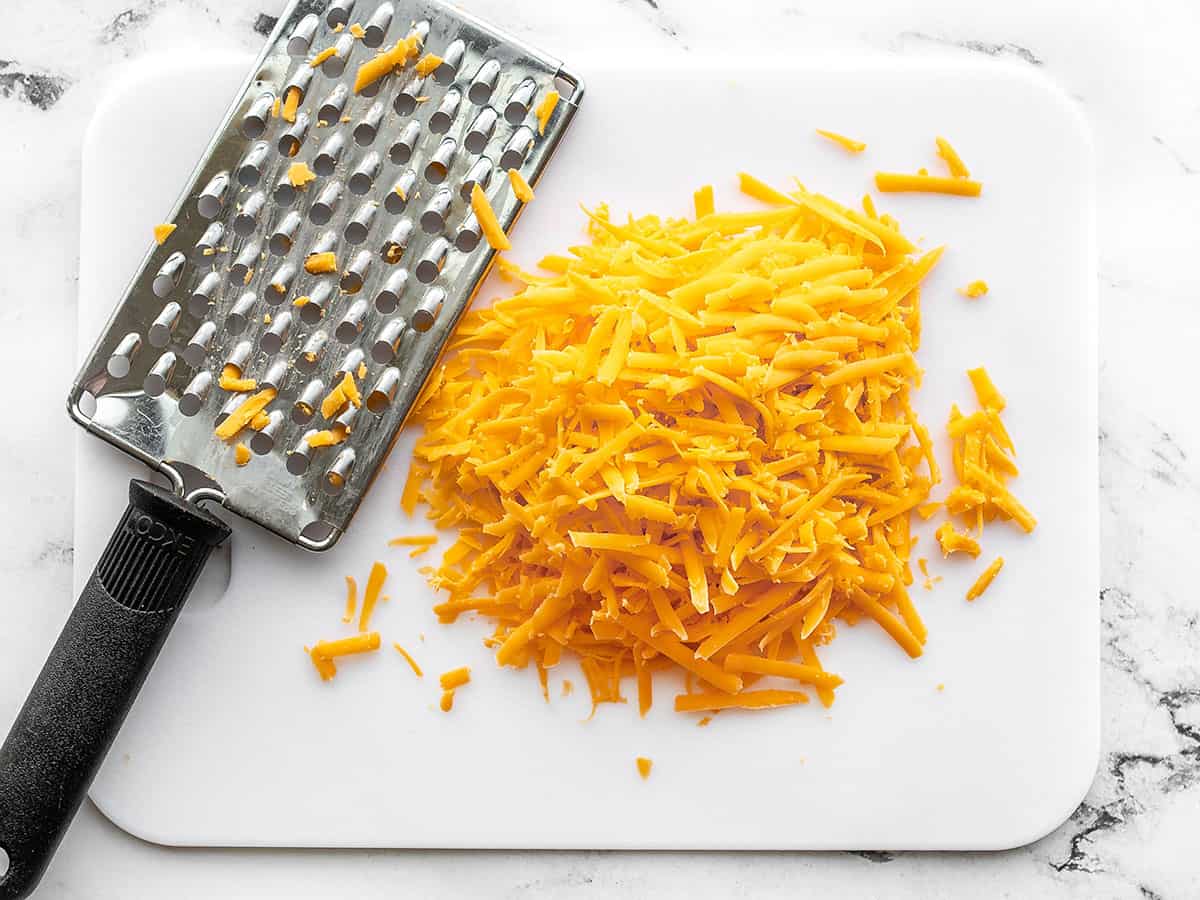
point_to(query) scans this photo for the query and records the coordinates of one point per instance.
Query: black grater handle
(94, 672)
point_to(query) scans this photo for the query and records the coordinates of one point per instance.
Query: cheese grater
(388, 168)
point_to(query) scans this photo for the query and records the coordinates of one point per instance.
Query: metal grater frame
(128, 390)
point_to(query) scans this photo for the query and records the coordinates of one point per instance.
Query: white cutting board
(235, 741)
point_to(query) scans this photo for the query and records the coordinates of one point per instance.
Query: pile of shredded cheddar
(693, 447)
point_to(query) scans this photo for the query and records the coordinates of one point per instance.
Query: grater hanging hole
(86, 404)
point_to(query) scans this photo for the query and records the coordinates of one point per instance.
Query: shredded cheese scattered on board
(521, 189)
(895, 182)
(545, 109)
(984, 581)
(643, 766)
(954, 162)
(974, 290)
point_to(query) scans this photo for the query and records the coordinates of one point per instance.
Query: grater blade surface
(392, 166)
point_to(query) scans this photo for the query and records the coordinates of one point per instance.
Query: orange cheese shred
(488, 223)
(325, 652)
(455, 678)
(291, 102)
(643, 766)
(412, 663)
(371, 592)
(899, 182)
(244, 414)
(322, 56)
(299, 174)
(351, 599)
(320, 263)
(984, 581)
(521, 189)
(545, 109)
(974, 290)
(231, 380)
(842, 141)
(241, 454)
(427, 64)
(162, 232)
(954, 162)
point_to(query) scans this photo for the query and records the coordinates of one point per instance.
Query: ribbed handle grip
(94, 672)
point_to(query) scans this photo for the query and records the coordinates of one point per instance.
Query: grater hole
(564, 87)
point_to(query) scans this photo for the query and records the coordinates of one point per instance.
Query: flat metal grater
(393, 152)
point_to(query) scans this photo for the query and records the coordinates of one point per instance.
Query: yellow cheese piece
(842, 141)
(703, 201)
(952, 541)
(322, 56)
(427, 64)
(241, 454)
(954, 162)
(383, 63)
(455, 678)
(244, 414)
(162, 232)
(545, 109)
(643, 766)
(984, 581)
(330, 437)
(324, 652)
(412, 663)
(974, 289)
(521, 189)
(371, 592)
(894, 182)
(488, 223)
(299, 174)
(357, 30)
(231, 380)
(291, 102)
(320, 263)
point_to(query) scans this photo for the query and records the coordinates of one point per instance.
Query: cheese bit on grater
(298, 168)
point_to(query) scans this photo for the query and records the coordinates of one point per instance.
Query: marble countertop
(1133, 69)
